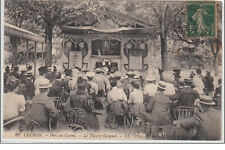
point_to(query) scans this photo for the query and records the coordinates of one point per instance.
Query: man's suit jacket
(186, 97)
(208, 125)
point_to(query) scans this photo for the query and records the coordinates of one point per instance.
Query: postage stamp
(201, 19)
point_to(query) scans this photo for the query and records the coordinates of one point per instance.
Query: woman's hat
(44, 83)
(206, 100)
(162, 85)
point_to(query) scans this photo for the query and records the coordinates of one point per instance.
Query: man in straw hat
(150, 89)
(42, 71)
(157, 109)
(102, 81)
(42, 107)
(207, 123)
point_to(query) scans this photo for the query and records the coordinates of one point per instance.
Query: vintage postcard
(112, 71)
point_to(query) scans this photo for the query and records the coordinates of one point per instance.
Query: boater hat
(44, 83)
(206, 100)
(162, 85)
(188, 80)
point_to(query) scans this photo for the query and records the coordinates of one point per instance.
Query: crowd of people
(145, 98)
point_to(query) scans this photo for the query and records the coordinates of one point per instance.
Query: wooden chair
(183, 112)
(75, 119)
(119, 108)
(28, 125)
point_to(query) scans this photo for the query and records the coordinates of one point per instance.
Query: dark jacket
(42, 108)
(79, 100)
(56, 90)
(186, 97)
(208, 125)
(208, 83)
(29, 94)
(158, 110)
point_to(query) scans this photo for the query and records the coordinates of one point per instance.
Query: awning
(12, 30)
(122, 30)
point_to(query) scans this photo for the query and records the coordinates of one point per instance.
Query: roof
(121, 30)
(128, 17)
(88, 23)
(21, 33)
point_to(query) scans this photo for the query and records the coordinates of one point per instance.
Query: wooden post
(42, 57)
(27, 53)
(14, 42)
(35, 58)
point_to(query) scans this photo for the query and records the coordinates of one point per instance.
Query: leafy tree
(46, 14)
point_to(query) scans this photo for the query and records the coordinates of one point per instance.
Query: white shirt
(150, 89)
(36, 83)
(199, 85)
(136, 97)
(12, 105)
(116, 94)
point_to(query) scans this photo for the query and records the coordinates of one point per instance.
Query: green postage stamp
(201, 19)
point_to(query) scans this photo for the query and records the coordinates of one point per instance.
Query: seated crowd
(54, 98)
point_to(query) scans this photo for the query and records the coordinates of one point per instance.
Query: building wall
(153, 59)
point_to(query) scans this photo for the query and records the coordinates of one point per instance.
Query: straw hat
(206, 100)
(44, 83)
(188, 80)
(162, 85)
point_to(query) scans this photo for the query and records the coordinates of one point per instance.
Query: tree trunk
(215, 65)
(14, 43)
(164, 55)
(48, 44)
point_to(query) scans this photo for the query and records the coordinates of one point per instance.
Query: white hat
(124, 77)
(90, 74)
(136, 77)
(162, 85)
(207, 100)
(44, 83)
(105, 69)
